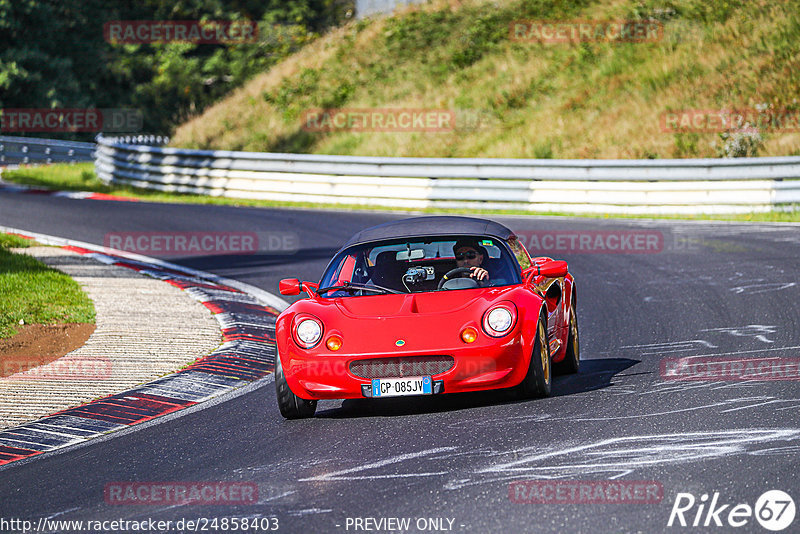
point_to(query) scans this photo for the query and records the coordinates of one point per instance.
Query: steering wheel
(453, 272)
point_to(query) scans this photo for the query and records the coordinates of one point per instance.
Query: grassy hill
(524, 99)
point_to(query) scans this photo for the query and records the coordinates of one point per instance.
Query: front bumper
(494, 364)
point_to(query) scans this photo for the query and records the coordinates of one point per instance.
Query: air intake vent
(404, 366)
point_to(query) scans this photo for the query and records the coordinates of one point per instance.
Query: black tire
(572, 361)
(290, 405)
(539, 378)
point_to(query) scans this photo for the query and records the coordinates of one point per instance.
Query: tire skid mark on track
(348, 474)
(246, 354)
(618, 457)
(608, 457)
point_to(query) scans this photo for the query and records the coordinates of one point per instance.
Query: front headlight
(308, 332)
(499, 320)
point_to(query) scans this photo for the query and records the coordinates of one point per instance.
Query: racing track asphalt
(711, 289)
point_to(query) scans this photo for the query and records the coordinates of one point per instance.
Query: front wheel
(539, 378)
(290, 405)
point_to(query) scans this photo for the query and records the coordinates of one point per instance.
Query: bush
(744, 143)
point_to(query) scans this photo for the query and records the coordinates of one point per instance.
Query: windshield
(419, 265)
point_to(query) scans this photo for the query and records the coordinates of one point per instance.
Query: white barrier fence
(31, 150)
(591, 186)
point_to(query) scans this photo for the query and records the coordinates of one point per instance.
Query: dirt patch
(37, 344)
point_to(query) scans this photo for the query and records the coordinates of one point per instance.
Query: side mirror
(553, 269)
(290, 286)
(548, 269)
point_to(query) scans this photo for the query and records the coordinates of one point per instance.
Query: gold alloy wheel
(544, 355)
(573, 325)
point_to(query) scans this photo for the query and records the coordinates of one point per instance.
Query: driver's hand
(479, 273)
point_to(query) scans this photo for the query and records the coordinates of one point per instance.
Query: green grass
(34, 293)
(63, 176)
(66, 176)
(579, 100)
(14, 241)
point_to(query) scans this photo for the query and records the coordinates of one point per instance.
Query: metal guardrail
(32, 150)
(596, 186)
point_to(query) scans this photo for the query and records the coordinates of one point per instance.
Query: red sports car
(426, 306)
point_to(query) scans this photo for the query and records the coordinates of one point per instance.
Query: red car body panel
(423, 324)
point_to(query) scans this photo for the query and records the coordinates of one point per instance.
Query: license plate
(396, 387)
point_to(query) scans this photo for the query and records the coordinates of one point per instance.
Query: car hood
(410, 304)
(417, 322)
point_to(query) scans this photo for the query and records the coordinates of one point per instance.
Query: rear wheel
(290, 405)
(572, 360)
(539, 378)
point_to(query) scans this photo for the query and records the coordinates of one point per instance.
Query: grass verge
(81, 177)
(34, 293)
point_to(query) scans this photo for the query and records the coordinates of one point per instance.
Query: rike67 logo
(774, 510)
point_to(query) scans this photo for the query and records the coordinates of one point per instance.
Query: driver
(470, 254)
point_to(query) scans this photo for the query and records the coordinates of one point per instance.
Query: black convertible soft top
(430, 226)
